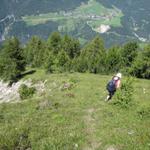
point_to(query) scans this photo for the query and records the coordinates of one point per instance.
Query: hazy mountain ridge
(29, 7)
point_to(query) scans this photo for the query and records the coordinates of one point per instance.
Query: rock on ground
(10, 93)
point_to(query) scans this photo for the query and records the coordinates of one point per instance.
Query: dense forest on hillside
(29, 7)
(64, 54)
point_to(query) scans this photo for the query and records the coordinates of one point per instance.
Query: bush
(123, 96)
(26, 92)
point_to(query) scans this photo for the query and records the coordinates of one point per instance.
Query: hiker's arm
(118, 84)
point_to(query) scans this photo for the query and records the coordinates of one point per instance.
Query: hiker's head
(119, 75)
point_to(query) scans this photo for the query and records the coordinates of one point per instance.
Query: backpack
(111, 86)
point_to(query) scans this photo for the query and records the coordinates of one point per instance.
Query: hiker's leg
(112, 93)
(109, 96)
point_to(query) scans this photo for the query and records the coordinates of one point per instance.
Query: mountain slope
(126, 20)
(75, 118)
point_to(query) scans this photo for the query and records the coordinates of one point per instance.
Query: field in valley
(92, 13)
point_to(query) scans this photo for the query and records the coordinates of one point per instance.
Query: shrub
(26, 92)
(123, 96)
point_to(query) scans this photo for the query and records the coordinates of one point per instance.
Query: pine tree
(12, 62)
(93, 56)
(35, 51)
(71, 46)
(50, 64)
(54, 42)
(113, 59)
(129, 53)
(141, 65)
(63, 60)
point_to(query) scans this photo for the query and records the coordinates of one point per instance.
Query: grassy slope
(75, 119)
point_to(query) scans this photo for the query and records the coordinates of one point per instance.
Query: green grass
(92, 7)
(41, 19)
(115, 22)
(71, 21)
(68, 25)
(76, 118)
(143, 44)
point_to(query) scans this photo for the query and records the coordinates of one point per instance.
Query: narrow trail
(92, 142)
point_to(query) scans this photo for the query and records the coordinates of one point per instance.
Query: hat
(119, 75)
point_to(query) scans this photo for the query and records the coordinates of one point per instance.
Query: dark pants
(111, 93)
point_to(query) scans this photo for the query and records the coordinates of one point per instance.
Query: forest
(63, 53)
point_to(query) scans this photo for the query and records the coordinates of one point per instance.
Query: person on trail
(113, 85)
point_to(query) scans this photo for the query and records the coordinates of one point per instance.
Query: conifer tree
(141, 65)
(12, 62)
(71, 46)
(128, 53)
(113, 59)
(35, 51)
(54, 42)
(93, 55)
(63, 60)
(50, 64)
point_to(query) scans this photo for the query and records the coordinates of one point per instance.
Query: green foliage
(128, 53)
(141, 65)
(34, 52)
(12, 61)
(63, 59)
(71, 46)
(80, 64)
(52, 63)
(26, 92)
(54, 42)
(123, 97)
(92, 56)
(113, 59)
(60, 54)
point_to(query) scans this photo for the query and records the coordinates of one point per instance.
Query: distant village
(103, 16)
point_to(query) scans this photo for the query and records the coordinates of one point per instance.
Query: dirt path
(92, 142)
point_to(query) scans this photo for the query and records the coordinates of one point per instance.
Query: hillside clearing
(76, 117)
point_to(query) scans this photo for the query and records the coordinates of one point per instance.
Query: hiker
(113, 85)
